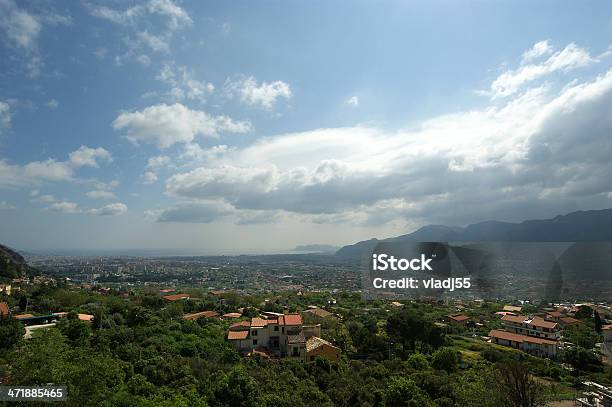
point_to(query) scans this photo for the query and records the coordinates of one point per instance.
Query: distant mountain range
(580, 226)
(316, 248)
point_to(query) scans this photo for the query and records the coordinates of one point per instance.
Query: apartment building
(533, 335)
(281, 335)
(532, 326)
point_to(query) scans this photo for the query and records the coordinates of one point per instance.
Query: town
(222, 312)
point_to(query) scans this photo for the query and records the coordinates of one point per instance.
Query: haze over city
(218, 128)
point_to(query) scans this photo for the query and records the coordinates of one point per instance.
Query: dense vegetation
(139, 351)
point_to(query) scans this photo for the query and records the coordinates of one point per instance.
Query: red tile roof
(231, 315)
(24, 316)
(542, 323)
(570, 321)
(4, 309)
(517, 319)
(240, 326)
(260, 322)
(292, 319)
(458, 317)
(606, 327)
(509, 336)
(175, 297)
(237, 335)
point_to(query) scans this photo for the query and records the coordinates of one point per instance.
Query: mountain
(12, 264)
(580, 226)
(316, 248)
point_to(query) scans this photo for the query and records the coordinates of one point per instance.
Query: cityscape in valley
(273, 329)
(346, 203)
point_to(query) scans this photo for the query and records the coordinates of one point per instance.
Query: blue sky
(223, 127)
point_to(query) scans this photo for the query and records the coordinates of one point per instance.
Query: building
(175, 297)
(460, 319)
(232, 315)
(532, 326)
(5, 288)
(529, 344)
(595, 395)
(198, 315)
(512, 308)
(4, 310)
(280, 335)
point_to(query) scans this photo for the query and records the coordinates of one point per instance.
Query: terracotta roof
(509, 336)
(512, 308)
(517, 319)
(175, 297)
(293, 319)
(197, 315)
(20, 316)
(231, 315)
(315, 342)
(606, 327)
(4, 309)
(237, 335)
(85, 317)
(537, 321)
(259, 322)
(554, 314)
(240, 326)
(459, 317)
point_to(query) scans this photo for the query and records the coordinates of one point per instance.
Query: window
(254, 341)
(254, 332)
(276, 328)
(283, 330)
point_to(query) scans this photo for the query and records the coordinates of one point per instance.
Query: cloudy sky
(225, 127)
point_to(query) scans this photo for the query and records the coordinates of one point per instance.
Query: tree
(11, 332)
(598, 322)
(517, 387)
(403, 392)
(237, 389)
(446, 359)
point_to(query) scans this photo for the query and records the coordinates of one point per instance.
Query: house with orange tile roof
(460, 319)
(279, 335)
(526, 343)
(532, 326)
(175, 297)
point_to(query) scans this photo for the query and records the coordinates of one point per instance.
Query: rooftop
(509, 336)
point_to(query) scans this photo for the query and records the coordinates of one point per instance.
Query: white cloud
(166, 125)
(18, 25)
(149, 177)
(194, 212)
(21, 28)
(42, 198)
(264, 95)
(52, 104)
(64, 207)
(100, 194)
(139, 33)
(353, 101)
(158, 162)
(6, 206)
(544, 148)
(5, 116)
(569, 58)
(538, 50)
(106, 185)
(86, 156)
(114, 209)
(34, 192)
(51, 169)
(183, 85)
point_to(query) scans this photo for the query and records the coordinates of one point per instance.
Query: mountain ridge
(578, 226)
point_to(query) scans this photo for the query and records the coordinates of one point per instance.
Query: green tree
(403, 392)
(11, 332)
(237, 389)
(518, 387)
(446, 359)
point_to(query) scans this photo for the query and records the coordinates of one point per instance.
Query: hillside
(581, 226)
(12, 264)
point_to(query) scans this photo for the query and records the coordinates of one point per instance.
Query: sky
(253, 127)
